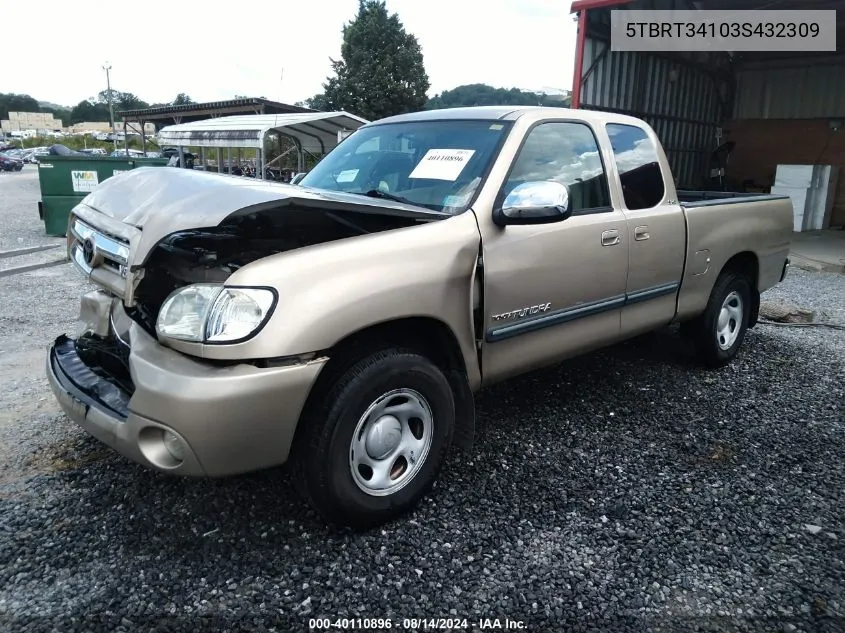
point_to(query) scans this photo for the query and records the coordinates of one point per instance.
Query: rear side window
(638, 166)
(566, 153)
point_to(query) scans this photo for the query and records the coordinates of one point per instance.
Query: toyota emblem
(89, 251)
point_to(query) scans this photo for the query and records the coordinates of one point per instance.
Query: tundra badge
(523, 312)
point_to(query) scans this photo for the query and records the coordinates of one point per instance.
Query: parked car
(121, 153)
(36, 152)
(344, 323)
(172, 154)
(10, 163)
(94, 151)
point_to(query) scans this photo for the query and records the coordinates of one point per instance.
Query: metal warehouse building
(766, 108)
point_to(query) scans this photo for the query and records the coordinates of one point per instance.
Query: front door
(554, 290)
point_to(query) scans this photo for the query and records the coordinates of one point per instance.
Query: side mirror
(539, 202)
(295, 180)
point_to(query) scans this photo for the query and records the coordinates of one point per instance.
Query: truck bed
(689, 199)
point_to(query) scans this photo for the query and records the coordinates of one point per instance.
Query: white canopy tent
(314, 133)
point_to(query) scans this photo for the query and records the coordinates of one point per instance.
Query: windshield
(434, 164)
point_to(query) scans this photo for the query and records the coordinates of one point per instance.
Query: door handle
(641, 233)
(610, 238)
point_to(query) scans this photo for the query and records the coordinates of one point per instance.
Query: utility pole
(107, 68)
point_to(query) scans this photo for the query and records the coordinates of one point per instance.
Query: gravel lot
(626, 490)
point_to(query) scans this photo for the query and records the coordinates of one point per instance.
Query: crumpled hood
(157, 201)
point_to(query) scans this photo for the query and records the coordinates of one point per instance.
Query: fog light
(174, 446)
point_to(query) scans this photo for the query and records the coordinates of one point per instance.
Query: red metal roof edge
(584, 5)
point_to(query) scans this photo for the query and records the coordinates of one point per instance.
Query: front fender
(329, 291)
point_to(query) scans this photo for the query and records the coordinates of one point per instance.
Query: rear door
(554, 290)
(655, 230)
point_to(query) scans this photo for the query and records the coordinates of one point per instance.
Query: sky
(279, 50)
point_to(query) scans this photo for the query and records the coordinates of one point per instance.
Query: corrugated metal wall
(798, 92)
(679, 101)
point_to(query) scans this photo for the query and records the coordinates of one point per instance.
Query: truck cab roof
(510, 113)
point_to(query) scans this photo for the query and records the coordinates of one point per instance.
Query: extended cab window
(566, 153)
(638, 166)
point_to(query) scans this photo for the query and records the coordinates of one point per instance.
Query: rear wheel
(718, 333)
(375, 438)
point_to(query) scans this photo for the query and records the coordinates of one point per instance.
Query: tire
(348, 428)
(718, 333)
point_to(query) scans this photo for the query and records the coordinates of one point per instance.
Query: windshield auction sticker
(442, 164)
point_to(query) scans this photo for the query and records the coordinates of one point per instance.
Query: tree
(317, 102)
(122, 100)
(11, 102)
(482, 94)
(182, 99)
(129, 101)
(381, 71)
(89, 110)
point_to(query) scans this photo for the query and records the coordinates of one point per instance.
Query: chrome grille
(90, 248)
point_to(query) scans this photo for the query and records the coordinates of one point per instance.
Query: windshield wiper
(378, 193)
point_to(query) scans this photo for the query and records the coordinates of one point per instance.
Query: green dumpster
(65, 180)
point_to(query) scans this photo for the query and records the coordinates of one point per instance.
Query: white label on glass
(347, 176)
(442, 164)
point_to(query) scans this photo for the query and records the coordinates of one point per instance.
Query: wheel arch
(747, 263)
(428, 336)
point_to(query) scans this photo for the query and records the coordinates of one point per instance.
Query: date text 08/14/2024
(415, 624)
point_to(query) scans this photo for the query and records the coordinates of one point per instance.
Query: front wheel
(375, 438)
(718, 333)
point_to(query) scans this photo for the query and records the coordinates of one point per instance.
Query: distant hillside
(52, 106)
(482, 94)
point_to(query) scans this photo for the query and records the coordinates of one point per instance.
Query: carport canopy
(315, 132)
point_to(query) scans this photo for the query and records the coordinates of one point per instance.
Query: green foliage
(89, 110)
(122, 100)
(317, 102)
(11, 102)
(482, 94)
(182, 99)
(98, 109)
(381, 70)
(129, 101)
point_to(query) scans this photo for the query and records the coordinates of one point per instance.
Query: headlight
(210, 313)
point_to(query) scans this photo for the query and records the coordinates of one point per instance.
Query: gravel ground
(19, 195)
(626, 490)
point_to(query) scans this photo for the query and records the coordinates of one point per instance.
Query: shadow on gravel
(623, 396)
(630, 473)
(620, 402)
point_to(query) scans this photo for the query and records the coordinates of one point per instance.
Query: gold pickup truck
(344, 323)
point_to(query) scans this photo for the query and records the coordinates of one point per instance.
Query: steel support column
(580, 40)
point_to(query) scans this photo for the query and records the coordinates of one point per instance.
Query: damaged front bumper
(176, 414)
